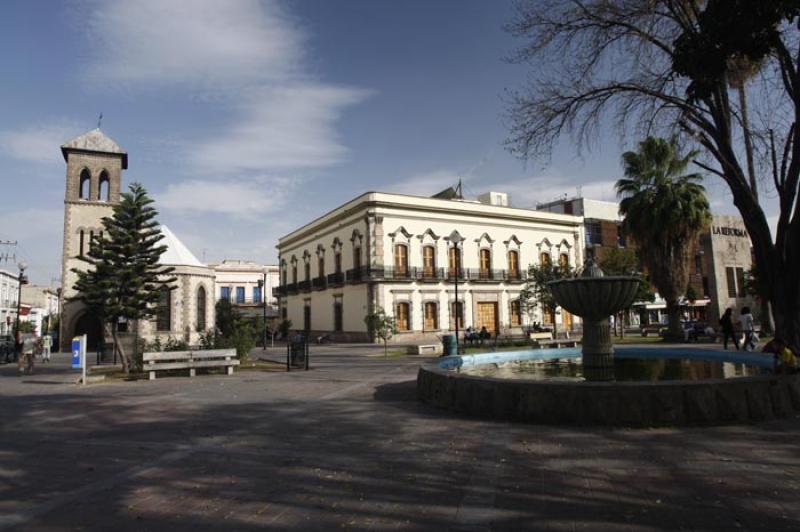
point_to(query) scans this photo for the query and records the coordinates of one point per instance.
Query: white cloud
(37, 144)
(289, 127)
(244, 57)
(241, 199)
(202, 42)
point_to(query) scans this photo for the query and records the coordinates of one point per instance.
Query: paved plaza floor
(346, 446)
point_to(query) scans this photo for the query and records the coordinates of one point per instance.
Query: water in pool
(625, 369)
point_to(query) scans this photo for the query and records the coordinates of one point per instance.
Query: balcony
(304, 286)
(336, 279)
(319, 283)
(432, 275)
(245, 301)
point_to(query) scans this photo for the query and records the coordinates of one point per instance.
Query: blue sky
(246, 119)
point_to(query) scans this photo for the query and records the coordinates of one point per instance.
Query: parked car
(7, 351)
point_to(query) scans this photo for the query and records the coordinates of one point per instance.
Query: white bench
(545, 339)
(425, 349)
(191, 360)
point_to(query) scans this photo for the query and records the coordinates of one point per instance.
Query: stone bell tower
(94, 170)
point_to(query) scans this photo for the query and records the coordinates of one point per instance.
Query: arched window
(544, 258)
(401, 259)
(428, 261)
(337, 262)
(104, 187)
(201, 309)
(455, 261)
(308, 270)
(516, 313)
(164, 310)
(485, 264)
(81, 242)
(357, 257)
(294, 273)
(563, 261)
(401, 315)
(513, 264)
(431, 321)
(321, 267)
(85, 184)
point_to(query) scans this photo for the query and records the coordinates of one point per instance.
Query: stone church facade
(93, 186)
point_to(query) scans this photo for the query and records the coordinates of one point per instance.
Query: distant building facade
(248, 286)
(721, 258)
(44, 305)
(9, 291)
(727, 251)
(395, 252)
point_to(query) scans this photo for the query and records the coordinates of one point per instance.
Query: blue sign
(76, 353)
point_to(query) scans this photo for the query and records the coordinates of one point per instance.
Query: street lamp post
(22, 280)
(262, 285)
(456, 239)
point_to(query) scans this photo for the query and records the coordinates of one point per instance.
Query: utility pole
(8, 256)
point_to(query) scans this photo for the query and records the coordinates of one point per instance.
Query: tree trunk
(622, 324)
(748, 143)
(118, 347)
(674, 329)
(786, 311)
(385, 349)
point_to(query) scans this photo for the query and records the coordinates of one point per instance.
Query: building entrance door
(487, 317)
(566, 320)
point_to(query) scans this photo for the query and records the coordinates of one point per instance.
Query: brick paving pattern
(346, 446)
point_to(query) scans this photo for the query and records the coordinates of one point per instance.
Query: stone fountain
(594, 297)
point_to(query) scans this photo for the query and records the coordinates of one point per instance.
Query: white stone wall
(728, 250)
(183, 307)
(380, 221)
(9, 290)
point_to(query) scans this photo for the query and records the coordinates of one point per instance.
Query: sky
(246, 119)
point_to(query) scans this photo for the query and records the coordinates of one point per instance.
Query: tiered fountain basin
(649, 386)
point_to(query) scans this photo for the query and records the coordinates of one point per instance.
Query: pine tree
(125, 277)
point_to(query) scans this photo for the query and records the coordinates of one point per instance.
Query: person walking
(26, 358)
(746, 323)
(47, 343)
(726, 322)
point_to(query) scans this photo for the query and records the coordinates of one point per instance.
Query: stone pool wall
(628, 404)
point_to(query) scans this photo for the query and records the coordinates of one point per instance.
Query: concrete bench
(546, 335)
(654, 328)
(425, 349)
(564, 342)
(191, 360)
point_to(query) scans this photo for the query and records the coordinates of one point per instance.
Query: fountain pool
(647, 386)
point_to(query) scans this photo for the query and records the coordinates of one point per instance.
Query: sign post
(79, 355)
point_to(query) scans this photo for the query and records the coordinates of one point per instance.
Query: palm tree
(664, 211)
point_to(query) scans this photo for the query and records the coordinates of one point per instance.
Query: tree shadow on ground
(127, 457)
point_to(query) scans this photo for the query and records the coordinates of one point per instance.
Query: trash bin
(449, 346)
(297, 355)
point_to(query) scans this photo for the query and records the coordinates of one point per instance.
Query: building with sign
(727, 249)
(426, 261)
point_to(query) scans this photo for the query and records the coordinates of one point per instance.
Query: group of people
(472, 336)
(785, 358)
(746, 329)
(31, 346)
